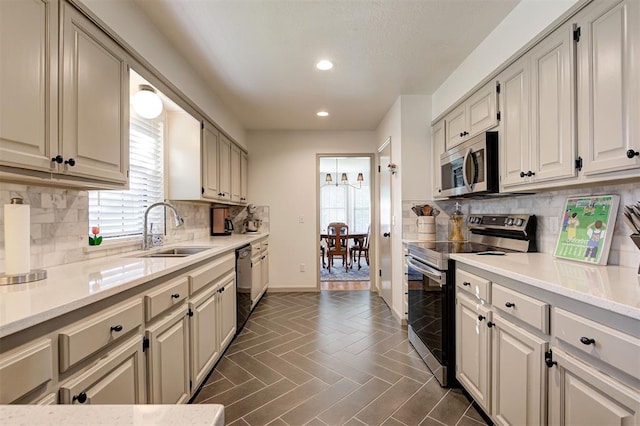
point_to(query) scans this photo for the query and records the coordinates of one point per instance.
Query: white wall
(524, 22)
(282, 175)
(130, 23)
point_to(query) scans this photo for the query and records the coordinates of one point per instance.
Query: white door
(384, 237)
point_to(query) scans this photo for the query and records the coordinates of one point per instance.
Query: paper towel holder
(34, 275)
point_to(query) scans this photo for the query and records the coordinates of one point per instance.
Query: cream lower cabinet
(205, 343)
(168, 359)
(34, 357)
(581, 395)
(519, 388)
(116, 378)
(228, 311)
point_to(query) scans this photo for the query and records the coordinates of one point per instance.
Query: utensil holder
(636, 240)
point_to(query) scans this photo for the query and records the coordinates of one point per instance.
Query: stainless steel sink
(175, 252)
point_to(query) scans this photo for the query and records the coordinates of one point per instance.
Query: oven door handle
(426, 270)
(465, 161)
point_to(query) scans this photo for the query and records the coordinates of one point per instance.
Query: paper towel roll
(17, 235)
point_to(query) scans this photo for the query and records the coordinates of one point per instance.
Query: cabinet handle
(81, 398)
(466, 284)
(386, 234)
(71, 162)
(549, 360)
(522, 174)
(465, 133)
(587, 341)
(175, 296)
(461, 134)
(631, 153)
(116, 328)
(57, 159)
(530, 173)
(490, 324)
(509, 305)
(481, 317)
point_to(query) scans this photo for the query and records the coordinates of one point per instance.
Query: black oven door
(431, 316)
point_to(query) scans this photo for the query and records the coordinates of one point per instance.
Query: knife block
(636, 240)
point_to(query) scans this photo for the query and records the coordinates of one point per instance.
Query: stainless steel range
(432, 283)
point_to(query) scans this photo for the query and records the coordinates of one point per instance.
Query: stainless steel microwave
(472, 167)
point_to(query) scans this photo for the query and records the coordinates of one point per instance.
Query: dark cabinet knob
(116, 328)
(202, 189)
(522, 174)
(490, 324)
(466, 284)
(386, 234)
(57, 159)
(509, 305)
(461, 134)
(587, 341)
(481, 317)
(549, 361)
(530, 173)
(465, 133)
(81, 398)
(71, 162)
(631, 153)
(175, 296)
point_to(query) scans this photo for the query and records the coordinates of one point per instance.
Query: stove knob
(509, 221)
(519, 222)
(478, 219)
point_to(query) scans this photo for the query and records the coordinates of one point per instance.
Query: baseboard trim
(293, 290)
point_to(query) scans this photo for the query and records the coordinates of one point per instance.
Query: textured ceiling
(259, 55)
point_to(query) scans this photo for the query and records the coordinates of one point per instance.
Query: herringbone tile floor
(329, 358)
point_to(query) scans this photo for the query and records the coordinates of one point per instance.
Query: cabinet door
(608, 86)
(236, 180)
(553, 142)
(118, 378)
(228, 313)
(34, 357)
(519, 386)
(437, 137)
(204, 349)
(581, 395)
(244, 176)
(482, 113)
(224, 167)
(256, 277)
(473, 348)
(168, 359)
(95, 102)
(264, 272)
(28, 83)
(456, 125)
(515, 117)
(210, 143)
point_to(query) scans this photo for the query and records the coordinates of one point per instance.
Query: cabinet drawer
(24, 369)
(611, 346)
(525, 308)
(165, 297)
(201, 277)
(101, 329)
(256, 247)
(474, 284)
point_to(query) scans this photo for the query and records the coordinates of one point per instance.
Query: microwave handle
(465, 161)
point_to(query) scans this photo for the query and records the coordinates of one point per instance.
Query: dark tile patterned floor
(329, 358)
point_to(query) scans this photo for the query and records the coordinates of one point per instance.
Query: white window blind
(343, 203)
(121, 213)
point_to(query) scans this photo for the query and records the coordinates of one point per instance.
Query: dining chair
(338, 244)
(362, 247)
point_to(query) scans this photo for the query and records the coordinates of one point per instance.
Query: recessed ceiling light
(322, 114)
(324, 65)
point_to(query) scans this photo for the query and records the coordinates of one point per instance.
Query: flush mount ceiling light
(322, 114)
(324, 65)
(147, 102)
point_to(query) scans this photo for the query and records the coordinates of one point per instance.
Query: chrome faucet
(179, 221)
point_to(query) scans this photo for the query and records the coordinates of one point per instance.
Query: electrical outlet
(301, 219)
(302, 267)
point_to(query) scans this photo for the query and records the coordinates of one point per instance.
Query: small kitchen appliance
(431, 282)
(221, 223)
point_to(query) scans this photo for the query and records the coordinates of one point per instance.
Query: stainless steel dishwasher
(243, 284)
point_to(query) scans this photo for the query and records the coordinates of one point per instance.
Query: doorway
(344, 188)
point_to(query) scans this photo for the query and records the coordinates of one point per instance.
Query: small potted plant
(95, 239)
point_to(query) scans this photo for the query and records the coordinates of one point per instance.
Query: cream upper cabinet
(515, 115)
(244, 176)
(28, 111)
(581, 395)
(609, 87)
(224, 168)
(236, 181)
(437, 138)
(210, 144)
(95, 102)
(473, 116)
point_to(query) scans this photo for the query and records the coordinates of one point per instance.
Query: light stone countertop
(613, 288)
(75, 285)
(157, 415)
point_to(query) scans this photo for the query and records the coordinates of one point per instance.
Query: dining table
(358, 239)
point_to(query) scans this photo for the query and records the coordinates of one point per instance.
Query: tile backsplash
(60, 224)
(547, 207)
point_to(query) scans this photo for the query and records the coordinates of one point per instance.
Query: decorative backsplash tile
(547, 207)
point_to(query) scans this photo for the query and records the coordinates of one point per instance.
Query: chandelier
(344, 179)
